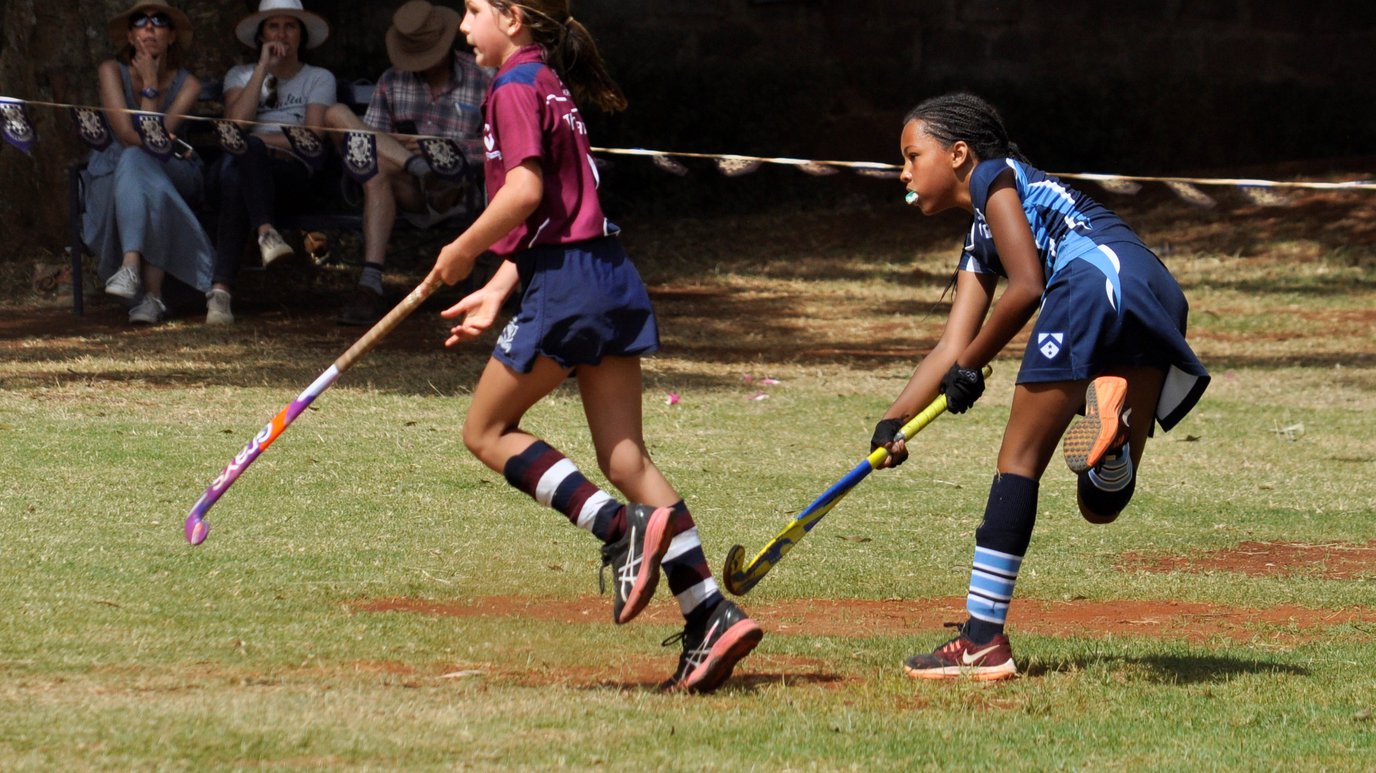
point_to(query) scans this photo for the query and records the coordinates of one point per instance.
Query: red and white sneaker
(711, 654)
(961, 657)
(1104, 427)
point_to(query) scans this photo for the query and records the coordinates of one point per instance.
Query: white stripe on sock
(549, 482)
(588, 514)
(693, 597)
(681, 544)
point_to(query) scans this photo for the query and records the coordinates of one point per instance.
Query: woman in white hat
(278, 89)
(138, 221)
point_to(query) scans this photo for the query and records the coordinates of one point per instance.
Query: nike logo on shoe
(969, 658)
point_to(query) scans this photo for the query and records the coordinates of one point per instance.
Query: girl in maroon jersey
(584, 311)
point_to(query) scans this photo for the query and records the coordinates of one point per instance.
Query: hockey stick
(740, 577)
(196, 526)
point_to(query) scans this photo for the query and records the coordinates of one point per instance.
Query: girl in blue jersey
(1109, 341)
(584, 311)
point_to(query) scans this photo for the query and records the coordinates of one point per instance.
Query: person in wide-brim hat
(421, 35)
(119, 25)
(317, 29)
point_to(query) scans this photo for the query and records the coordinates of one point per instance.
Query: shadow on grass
(1183, 669)
(779, 313)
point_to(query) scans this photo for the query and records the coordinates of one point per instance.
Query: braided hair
(569, 49)
(966, 118)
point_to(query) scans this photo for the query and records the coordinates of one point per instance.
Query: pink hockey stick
(196, 526)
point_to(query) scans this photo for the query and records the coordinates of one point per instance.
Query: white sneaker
(217, 308)
(272, 246)
(124, 284)
(149, 311)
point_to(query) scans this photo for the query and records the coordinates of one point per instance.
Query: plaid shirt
(402, 95)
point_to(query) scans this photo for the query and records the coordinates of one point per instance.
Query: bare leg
(1040, 415)
(611, 394)
(492, 429)
(152, 280)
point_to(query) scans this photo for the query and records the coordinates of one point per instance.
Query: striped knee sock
(1000, 544)
(685, 566)
(1113, 473)
(553, 481)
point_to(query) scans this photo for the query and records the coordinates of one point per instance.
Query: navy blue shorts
(581, 302)
(1093, 318)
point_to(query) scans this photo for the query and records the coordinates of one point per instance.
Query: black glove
(962, 387)
(885, 432)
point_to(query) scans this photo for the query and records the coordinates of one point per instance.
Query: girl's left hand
(479, 310)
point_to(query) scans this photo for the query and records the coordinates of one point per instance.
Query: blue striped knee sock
(1000, 544)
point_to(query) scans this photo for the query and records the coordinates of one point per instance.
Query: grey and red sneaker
(634, 560)
(711, 654)
(1103, 430)
(961, 657)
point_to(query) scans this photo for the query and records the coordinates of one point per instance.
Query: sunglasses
(270, 84)
(156, 19)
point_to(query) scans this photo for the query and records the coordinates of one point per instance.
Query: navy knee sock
(553, 481)
(1000, 544)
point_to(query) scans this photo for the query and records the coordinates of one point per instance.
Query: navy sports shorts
(581, 302)
(1088, 322)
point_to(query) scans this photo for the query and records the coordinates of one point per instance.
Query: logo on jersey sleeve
(490, 143)
(1049, 344)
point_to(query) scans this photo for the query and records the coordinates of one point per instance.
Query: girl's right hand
(886, 435)
(453, 265)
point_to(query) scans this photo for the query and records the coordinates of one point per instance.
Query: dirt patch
(862, 618)
(1334, 561)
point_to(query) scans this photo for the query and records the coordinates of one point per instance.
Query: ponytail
(570, 50)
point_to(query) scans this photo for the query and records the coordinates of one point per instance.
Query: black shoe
(635, 558)
(711, 654)
(365, 309)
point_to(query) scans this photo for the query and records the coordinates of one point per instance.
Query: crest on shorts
(92, 127)
(231, 137)
(360, 155)
(306, 144)
(445, 157)
(1049, 344)
(507, 336)
(17, 129)
(154, 134)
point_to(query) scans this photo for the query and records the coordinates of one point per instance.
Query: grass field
(371, 597)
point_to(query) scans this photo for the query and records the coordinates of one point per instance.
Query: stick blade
(734, 576)
(196, 530)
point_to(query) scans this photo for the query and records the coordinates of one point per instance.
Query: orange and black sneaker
(961, 657)
(1104, 427)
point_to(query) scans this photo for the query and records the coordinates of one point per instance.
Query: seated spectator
(279, 89)
(431, 89)
(139, 221)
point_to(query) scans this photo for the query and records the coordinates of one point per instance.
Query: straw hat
(317, 29)
(119, 26)
(421, 35)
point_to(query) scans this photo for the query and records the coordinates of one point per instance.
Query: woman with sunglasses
(278, 89)
(139, 221)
